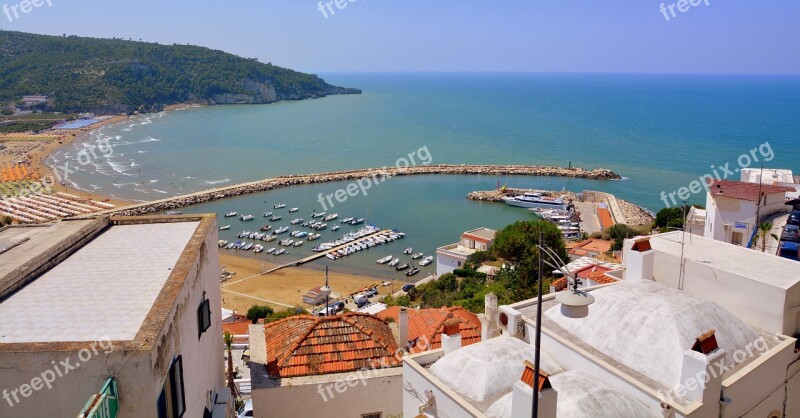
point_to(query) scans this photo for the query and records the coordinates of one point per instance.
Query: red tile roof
(430, 323)
(744, 191)
(307, 345)
(606, 221)
(237, 328)
(592, 245)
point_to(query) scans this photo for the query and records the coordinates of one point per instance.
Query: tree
(476, 259)
(673, 218)
(518, 245)
(228, 343)
(618, 233)
(257, 312)
(764, 230)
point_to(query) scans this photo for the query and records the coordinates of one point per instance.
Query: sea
(660, 132)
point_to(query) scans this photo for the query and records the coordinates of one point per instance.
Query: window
(459, 264)
(373, 415)
(203, 316)
(172, 400)
(736, 238)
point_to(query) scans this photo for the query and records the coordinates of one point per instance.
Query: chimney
(489, 328)
(451, 336)
(258, 344)
(522, 396)
(701, 380)
(402, 328)
(639, 259)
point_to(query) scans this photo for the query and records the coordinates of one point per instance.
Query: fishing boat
(346, 220)
(394, 262)
(534, 200)
(401, 267)
(427, 260)
(279, 206)
(293, 210)
(245, 218)
(330, 217)
(275, 218)
(384, 260)
(408, 250)
(267, 214)
(335, 228)
(281, 251)
(417, 256)
(225, 228)
(318, 215)
(296, 221)
(357, 221)
(231, 214)
(413, 271)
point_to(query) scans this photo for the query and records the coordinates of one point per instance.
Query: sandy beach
(281, 288)
(35, 148)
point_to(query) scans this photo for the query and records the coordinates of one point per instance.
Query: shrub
(257, 312)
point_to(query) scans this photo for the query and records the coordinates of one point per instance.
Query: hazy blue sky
(730, 36)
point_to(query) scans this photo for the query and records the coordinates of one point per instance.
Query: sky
(594, 36)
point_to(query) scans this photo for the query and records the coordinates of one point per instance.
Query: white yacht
(534, 200)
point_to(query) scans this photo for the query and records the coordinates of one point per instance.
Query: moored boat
(330, 217)
(417, 256)
(293, 210)
(225, 228)
(231, 214)
(245, 218)
(384, 260)
(394, 262)
(427, 260)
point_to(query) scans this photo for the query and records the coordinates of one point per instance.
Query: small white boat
(267, 214)
(275, 218)
(335, 228)
(346, 220)
(245, 218)
(394, 262)
(318, 215)
(427, 260)
(331, 256)
(225, 228)
(281, 251)
(357, 221)
(279, 206)
(330, 217)
(408, 250)
(416, 256)
(222, 243)
(281, 230)
(271, 250)
(231, 214)
(293, 210)
(296, 221)
(298, 243)
(384, 260)
(258, 248)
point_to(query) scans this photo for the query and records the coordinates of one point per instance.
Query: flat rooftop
(458, 249)
(482, 232)
(753, 264)
(104, 290)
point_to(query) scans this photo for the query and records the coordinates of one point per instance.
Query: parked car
(337, 306)
(371, 292)
(246, 410)
(408, 287)
(360, 300)
(794, 218)
(789, 250)
(791, 233)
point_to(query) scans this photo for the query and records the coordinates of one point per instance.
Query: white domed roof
(488, 369)
(647, 326)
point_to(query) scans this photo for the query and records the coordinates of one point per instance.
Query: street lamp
(327, 290)
(574, 304)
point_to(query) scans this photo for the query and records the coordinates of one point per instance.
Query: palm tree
(228, 343)
(764, 230)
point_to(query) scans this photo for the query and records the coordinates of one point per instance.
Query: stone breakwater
(635, 215)
(349, 175)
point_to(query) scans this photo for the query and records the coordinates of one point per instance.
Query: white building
(695, 222)
(732, 207)
(122, 311)
(772, 176)
(453, 256)
(649, 347)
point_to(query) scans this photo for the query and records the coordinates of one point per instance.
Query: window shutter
(203, 316)
(178, 396)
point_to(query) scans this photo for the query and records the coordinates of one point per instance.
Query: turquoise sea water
(659, 132)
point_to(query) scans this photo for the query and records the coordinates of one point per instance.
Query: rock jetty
(378, 173)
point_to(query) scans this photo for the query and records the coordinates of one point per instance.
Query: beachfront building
(453, 256)
(647, 348)
(733, 206)
(774, 177)
(308, 366)
(34, 100)
(316, 296)
(592, 247)
(122, 313)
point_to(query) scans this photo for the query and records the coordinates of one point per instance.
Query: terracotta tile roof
(430, 323)
(744, 191)
(606, 221)
(592, 245)
(560, 284)
(237, 328)
(601, 278)
(307, 345)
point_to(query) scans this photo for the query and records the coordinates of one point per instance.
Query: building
(647, 348)
(732, 208)
(342, 365)
(418, 327)
(121, 311)
(453, 256)
(696, 221)
(775, 177)
(592, 272)
(316, 296)
(34, 100)
(592, 247)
